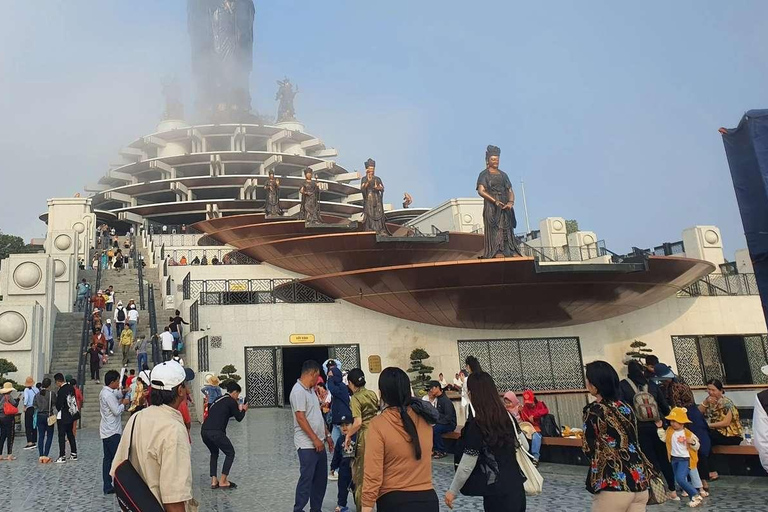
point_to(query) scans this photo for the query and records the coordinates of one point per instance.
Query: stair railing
(85, 335)
(154, 339)
(140, 273)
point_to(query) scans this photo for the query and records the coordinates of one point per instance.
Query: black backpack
(121, 315)
(549, 426)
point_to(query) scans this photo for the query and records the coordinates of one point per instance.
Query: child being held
(342, 459)
(682, 445)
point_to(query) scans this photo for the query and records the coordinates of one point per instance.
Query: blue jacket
(699, 427)
(340, 411)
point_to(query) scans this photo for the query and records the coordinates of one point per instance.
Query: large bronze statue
(221, 33)
(499, 221)
(373, 200)
(310, 199)
(285, 95)
(272, 205)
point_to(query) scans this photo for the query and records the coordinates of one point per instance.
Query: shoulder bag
(51, 417)
(8, 408)
(534, 482)
(133, 493)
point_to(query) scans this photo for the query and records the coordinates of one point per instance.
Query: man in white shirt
(111, 407)
(133, 321)
(760, 424)
(166, 344)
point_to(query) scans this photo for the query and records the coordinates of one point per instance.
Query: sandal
(214, 486)
(232, 485)
(11, 457)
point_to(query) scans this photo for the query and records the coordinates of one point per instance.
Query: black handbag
(133, 493)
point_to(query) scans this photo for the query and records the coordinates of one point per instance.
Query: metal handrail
(718, 285)
(85, 334)
(153, 324)
(140, 272)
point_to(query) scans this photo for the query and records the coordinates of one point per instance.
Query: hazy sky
(608, 110)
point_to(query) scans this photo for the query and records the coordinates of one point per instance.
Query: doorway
(293, 359)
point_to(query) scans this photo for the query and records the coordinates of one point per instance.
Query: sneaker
(696, 501)
(332, 476)
(61, 460)
(439, 455)
(111, 353)
(73, 457)
(30, 446)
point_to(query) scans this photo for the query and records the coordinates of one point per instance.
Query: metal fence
(669, 249)
(168, 286)
(186, 286)
(194, 316)
(207, 256)
(718, 285)
(179, 239)
(85, 336)
(221, 292)
(156, 357)
(565, 253)
(140, 273)
(203, 362)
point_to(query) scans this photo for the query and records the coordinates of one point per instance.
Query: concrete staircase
(66, 343)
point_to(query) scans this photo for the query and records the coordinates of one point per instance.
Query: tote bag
(534, 482)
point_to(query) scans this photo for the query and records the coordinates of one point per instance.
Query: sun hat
(7, 388)
(29, 382)
(528, 428)
(678, 414)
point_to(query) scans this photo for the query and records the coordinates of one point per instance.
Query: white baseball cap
(144, 377)
(166, 376)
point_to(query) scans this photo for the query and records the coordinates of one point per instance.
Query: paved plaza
(266, 470)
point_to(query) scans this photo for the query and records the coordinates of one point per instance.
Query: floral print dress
(610, 441)
(717, 412)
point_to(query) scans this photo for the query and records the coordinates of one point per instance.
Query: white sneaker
(333, 476)
(61, 460)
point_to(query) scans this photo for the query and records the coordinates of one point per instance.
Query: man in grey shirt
(111, 427)
(309, 431)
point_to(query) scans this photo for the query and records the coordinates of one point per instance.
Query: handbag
(534, 482)
(51, 416)
(9, 409)
(486, 471)
(133, 493)
(657, 491)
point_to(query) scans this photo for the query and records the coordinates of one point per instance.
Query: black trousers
(505, 503)
(656, 452)
(719, 439)
(408, 501)
(217, 440)
(7, 433)
(29, 417)
(65, 429)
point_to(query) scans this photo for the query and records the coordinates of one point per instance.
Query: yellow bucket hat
(678, 414)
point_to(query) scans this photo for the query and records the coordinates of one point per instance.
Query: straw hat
(7, 388)
(528, 428)
(678, 414)
(29, 382)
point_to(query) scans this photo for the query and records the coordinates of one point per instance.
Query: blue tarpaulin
(746, 147)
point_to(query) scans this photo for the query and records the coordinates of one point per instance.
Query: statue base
(321, 226)
(440, 238)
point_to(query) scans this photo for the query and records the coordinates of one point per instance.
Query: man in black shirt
(214, 433)
(446, 421)
(66, 403)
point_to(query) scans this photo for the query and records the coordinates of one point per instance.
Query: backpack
(121, 315)
(72, 406)
(548, 426)
(644, 403)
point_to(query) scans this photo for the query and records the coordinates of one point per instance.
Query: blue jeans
(141, 360)
(680, 466)
(44, 435)
(80, 303)
(111, 345)
(437, 436)
(313, 478)
(345, 480)
(536, 445)
(132, 325)
(110, 449)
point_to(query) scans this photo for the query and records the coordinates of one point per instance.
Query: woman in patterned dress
(619, 473)
(722, 418)
(365, 406)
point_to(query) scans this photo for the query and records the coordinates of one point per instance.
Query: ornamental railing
(565, 253)
(155, 339)
(203, 362)
(186, 286)
(207, 256)
(140, 274)
(720, 285)
(225, 292)
(194, 316)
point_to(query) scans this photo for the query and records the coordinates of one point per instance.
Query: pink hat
(512, 398)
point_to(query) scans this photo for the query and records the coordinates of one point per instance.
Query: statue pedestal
(291, 125)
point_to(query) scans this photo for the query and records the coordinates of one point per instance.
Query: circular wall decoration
(558, 225)
(62, 242)
(588, 239)
(13, 327)
(79, 227)
(27, 275)
(711, 237)
(59, 268)
(467, 218)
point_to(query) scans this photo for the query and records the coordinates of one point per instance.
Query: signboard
(302, 339)
(374, 364)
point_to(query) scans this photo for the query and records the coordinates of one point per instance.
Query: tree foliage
(420, 372)
(6, 367)
(12, 244)
(228, 374)
(571, 226)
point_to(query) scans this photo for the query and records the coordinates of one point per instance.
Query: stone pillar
(27, 313)
(553, 232)
(744, 262)
(704, 243)
(75, 213)
(63, 248)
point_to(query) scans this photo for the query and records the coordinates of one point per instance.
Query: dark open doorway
(293, 358)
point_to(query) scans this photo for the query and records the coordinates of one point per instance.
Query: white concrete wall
(463, 215)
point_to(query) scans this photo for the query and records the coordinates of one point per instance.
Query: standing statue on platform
(373, 200)
(407, 200)
(285, 94)
(310, 199)
(499, 221)
(272, 206)
(221, 33)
